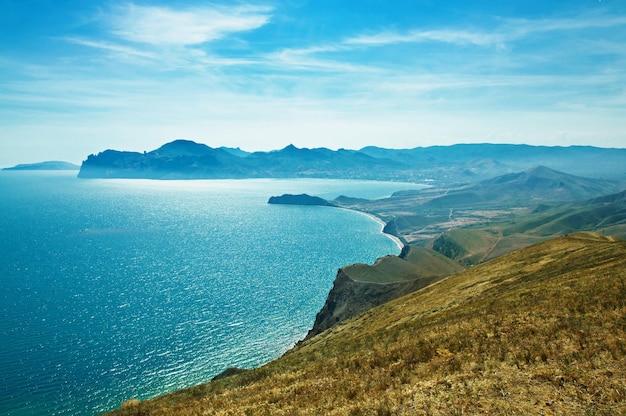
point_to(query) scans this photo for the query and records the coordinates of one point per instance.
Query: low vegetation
(538, 331)
(414, 263)
(483, 220)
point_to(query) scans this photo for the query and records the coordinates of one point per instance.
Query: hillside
(479, 242)
(539, 331)
(537, 185)
(416, 217)
(360, 287)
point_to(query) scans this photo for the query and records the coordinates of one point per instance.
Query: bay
(113, 289)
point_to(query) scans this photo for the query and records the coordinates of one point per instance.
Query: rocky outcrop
(302, 199)
(349, 298)
(48, 165)
(360, 287)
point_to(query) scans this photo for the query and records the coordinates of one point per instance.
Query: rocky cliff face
(359, 287)
(349, 298)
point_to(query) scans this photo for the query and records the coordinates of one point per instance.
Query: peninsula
(301, 199)
(48, 165)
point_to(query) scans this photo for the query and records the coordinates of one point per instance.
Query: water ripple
(119, 289)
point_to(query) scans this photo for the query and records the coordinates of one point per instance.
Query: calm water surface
(114, 289)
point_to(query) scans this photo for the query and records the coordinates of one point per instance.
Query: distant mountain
(48, 165)
(183, 159)
(530, 199)
(236, 151)
(533, 186)
(606, 214)
(180, 159)
(588, 161)
(441, 165)
(184, 148)
(618, 198)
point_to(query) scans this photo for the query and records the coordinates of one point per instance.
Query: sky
(79, 77)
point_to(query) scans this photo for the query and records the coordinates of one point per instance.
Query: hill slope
(538, 331)
(536, 185)
(416, 217)
(477, 243)
(360, 287)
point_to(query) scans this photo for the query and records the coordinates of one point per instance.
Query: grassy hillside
(418, 262)
(538, 331)
(361, 287)
(418, 217)
(501, 234)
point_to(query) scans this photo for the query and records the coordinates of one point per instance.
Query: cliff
(360, 287)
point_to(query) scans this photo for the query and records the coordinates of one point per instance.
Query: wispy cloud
(317, 58)
(117, 49)
(163, 26)
(521, 27)
(507, 30)
(460, 37)
(174, 38)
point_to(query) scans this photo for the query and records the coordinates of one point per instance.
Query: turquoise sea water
(112, 289)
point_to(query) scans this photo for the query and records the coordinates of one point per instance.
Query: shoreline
(383, 224)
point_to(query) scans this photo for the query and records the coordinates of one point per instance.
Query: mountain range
(184, 159)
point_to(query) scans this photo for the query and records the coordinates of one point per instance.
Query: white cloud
(446, 36)
(509, 30)
(304, 59)
(163, 26)
(168, 39)
(521, 27)
(116, 49)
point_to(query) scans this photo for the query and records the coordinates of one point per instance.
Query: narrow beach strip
(383, 224)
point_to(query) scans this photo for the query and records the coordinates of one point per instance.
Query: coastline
(383, 224)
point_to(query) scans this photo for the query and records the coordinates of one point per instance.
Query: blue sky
(79, 77)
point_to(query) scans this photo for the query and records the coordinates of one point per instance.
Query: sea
(113, 289)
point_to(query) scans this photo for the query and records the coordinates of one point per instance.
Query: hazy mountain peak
(290, 148)
(183, 147)
(544, 172)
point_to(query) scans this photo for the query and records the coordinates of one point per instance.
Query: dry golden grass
(539, 331)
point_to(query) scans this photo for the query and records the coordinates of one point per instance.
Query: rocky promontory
(48, 165)
(361, 287)
(301, 199)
